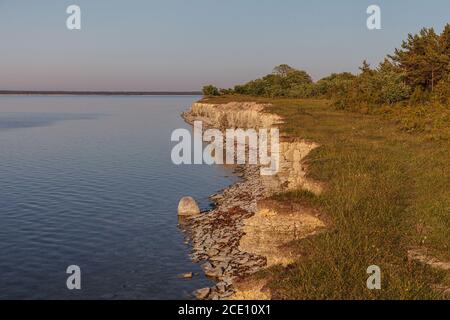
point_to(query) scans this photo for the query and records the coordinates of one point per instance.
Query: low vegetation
(384, 158)
(387, 192)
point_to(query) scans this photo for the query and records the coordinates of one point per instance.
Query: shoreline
(98, 93)
(244, 232)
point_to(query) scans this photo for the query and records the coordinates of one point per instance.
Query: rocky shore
(245, 233)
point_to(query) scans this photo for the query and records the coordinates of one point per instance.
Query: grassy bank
(388, 190)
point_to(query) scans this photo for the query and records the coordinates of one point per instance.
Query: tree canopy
(417, 72)
(210, 90)
(424, 58)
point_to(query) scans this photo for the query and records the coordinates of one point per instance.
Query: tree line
(416, 73)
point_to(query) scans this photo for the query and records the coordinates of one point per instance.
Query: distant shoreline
(101, 93)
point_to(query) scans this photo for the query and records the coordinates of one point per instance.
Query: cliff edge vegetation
(383, 158)
(386, 199)
(416, 74)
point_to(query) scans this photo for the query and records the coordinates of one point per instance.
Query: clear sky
(184, 44)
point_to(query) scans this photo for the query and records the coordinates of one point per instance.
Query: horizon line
(98, 93)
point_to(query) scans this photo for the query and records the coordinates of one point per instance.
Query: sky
(153, 45)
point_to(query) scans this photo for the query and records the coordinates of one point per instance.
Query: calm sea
(88, 181)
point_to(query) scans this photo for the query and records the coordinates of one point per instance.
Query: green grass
(387, 190)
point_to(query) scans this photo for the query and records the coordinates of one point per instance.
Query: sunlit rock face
(244, 115)
(235, 115)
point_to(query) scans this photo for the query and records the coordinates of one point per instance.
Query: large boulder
(188, 207)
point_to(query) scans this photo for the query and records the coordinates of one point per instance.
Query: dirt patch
(422, 255)
(251, 289)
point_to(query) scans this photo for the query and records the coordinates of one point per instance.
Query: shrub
(210, 90)
(442, 91)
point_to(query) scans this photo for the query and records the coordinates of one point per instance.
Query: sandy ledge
(246, 232)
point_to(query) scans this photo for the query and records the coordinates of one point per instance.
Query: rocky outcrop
(292, 174)
(276, 224)
(245, 233)
(233, 114)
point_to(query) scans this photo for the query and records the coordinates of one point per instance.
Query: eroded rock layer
(245, 233)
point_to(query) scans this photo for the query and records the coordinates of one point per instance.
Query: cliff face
(245, 233)
(235, 114)
(245, 115)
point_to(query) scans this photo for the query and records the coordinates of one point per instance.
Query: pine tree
(424, 58)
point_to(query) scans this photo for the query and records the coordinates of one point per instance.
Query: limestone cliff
(235, 114)
(245, 232)
(292, 174)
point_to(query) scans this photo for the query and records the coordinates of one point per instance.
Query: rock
(211, 271)
(221, 260)
(215, 296)
(202, 294)
(227, 280)
(221, 287)
(188, 207)
(108, 296)
(214, 273)
(212, 252)
(227, 294)
(187, 275)
(207, 265)
(243, 260)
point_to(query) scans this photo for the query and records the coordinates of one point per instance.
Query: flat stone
(243, 260)
(227, 294)
(212, 252)
(215, 296)
(227, 280)
(211, 271)
(221, 258)
(207, 266)
(215, 273)
(187, 275)
(221, 287)
(202, 294)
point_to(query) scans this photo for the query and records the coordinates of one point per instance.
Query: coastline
(247, 231)
(97, 93)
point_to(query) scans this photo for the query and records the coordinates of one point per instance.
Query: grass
(388, 190)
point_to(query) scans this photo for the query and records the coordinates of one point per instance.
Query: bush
(284, 81)
(442, 91)
(210, 90)
(419, 97)
(372, 88)
(334, 85)
(389, 84)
